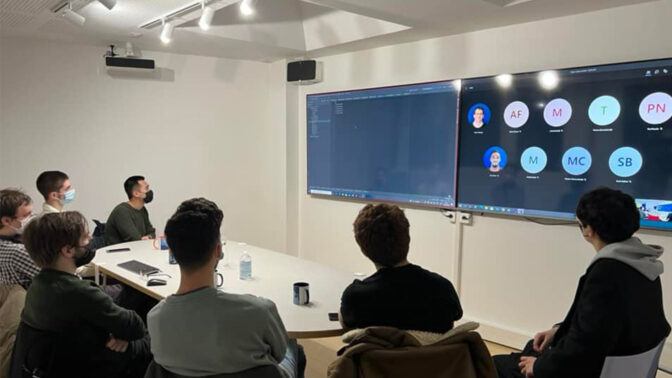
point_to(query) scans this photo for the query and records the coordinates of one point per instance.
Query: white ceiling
(281, 28)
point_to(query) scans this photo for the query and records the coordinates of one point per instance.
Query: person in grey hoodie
(618, 306)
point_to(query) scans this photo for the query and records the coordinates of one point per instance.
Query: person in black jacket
(618, 306)
(93, 336)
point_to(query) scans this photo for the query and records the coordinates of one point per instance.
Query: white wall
(233, 131)
(517, 277)
(196, 127)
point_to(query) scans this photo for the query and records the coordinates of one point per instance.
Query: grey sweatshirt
(642, 257)
(208, 332)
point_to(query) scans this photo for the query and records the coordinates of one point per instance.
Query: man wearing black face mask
(94, 337)
(129, 221)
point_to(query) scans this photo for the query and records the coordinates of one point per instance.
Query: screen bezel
(380, 200)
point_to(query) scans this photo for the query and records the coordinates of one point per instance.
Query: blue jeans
(294, 363)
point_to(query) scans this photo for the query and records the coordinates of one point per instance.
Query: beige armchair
(12, 300)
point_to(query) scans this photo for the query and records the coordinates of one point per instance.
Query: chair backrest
(642, 365)
(98, 239)
(33, 354)
(464, 355)
(100, 228)
(268, 371)
(46, 354)
(12, 300)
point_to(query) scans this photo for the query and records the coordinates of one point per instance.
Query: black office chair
(269, 371)
(34, 354)
(98, 235)
(43, 354)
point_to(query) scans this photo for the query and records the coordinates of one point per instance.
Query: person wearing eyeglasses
(92, 336)
(618, 306)
(479, 115)
(16, 211)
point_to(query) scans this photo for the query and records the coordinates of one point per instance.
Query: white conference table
(273, 276)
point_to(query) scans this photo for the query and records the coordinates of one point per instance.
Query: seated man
(234, 332)
(129, 221)
(399, 294)
(618, 306)
(103, 339)
(56, 189)
(16, 266)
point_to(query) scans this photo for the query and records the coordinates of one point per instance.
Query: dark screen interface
(393, 144)
(532, 144)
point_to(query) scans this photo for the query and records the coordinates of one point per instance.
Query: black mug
(218, 279)
(301, 293)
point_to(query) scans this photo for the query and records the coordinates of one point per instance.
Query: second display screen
(532, 144)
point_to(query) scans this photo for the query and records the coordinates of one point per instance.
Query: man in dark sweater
(101, 338)
(399, 294)
(129, 221)
(618, 306)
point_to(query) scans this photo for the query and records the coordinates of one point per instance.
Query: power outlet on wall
(465, 218)
(451, 215)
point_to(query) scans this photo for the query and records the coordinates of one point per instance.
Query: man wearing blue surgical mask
(56, 189)
(16, 266)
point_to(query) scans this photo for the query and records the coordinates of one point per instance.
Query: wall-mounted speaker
(116, 62)
(304, 72)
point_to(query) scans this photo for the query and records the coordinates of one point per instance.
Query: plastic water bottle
(225, 256)
(245, 266)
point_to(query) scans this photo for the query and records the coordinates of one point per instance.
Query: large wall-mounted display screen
(531, 144)
(394, 144)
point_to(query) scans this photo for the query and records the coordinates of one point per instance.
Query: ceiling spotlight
(206, 17)
(504, 80)
(549, 79)
(73, 17)
(109, 4)
(167, 32)
(246, 8)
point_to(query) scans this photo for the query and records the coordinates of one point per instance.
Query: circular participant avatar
(604, 110)
(533, 160)
(656, 108)
(479, 115)
(576, 161)
(494, 159)
(557, 112)
(625, 162)
(516, 114)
